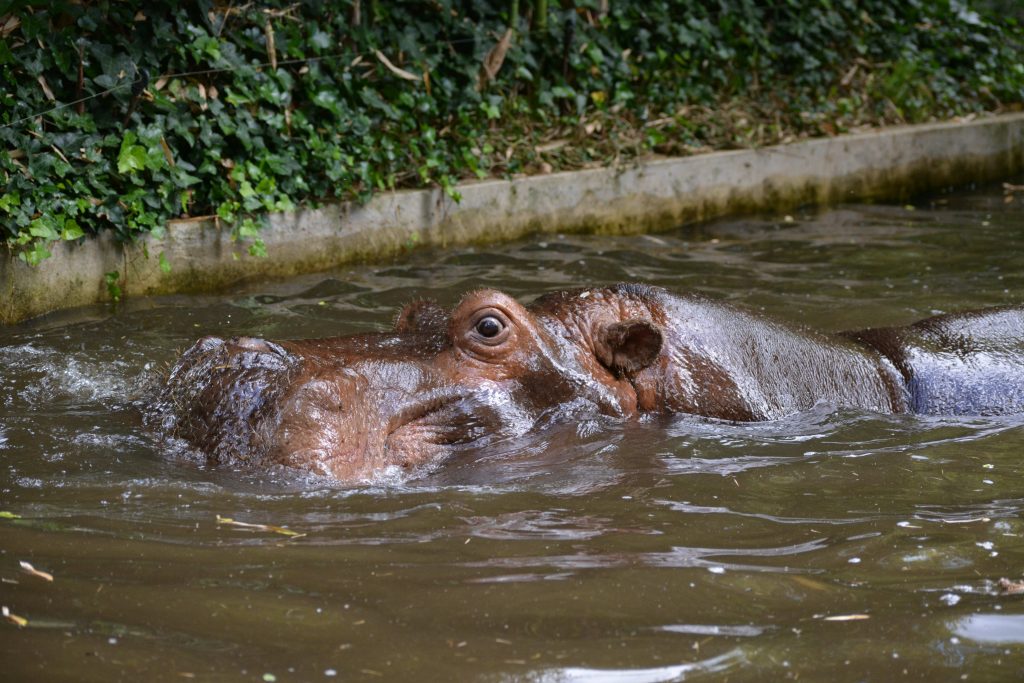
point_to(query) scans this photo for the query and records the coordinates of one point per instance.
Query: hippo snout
(212, 343)
(214, 354)
(256, 344)
(206, 344)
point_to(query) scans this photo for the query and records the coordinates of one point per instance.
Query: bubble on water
(12, 354)
(87, 380)
(392, 475)
(60, 375)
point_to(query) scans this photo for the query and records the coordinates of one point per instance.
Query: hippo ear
(628, 347)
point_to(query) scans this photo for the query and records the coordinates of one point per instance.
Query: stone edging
(647, 196)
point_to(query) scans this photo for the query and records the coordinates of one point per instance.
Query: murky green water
(828, 546)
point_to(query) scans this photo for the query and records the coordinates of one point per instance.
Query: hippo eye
(487, 333)
(489, 327)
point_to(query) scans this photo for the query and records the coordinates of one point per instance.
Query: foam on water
(70, 378)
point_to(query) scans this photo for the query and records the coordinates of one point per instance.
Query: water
(845, 546)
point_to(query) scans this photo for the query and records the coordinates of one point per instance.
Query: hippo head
(351, 407)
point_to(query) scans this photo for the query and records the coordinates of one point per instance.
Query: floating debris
(1009, 587)
(1009, 190)
(848, 617)
(810, 583)
(12, 617)
(32, 571)
(4, 514)
(259, 527)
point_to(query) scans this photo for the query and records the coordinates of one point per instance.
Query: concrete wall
(648, 196)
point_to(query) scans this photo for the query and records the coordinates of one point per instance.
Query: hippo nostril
(209, 343)
(277, 348)
(258, 345)
(242, 353)
(248, 343)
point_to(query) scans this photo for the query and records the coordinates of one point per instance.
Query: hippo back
(958, 364)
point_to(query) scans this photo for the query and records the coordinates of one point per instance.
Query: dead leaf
(60, 154)
(810, 583)
(167, 152)
(268, 29)
(1009, 587)
(551, 146)
(12, 617)
(8, 25)
(401, 73)
(29, 569)
(259, 527)
(140, 16)
(493, 61)
(46, 88)
(848, 76)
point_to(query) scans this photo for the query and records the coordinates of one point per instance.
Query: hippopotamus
(354, 406)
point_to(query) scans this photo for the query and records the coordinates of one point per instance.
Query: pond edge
(647, 196)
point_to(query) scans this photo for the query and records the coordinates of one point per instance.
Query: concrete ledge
(655, 195)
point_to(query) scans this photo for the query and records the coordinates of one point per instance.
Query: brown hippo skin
(351, 407)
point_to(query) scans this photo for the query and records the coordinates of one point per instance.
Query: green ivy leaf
(35, 254)
(258, 249)
(72, 231)
(248, 229)
(44, 227)
(113, 283)
(9, 200)
(130, 157)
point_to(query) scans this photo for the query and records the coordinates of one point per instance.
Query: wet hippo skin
(350, 407)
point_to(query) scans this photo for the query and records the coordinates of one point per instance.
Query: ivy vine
(117, 116)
